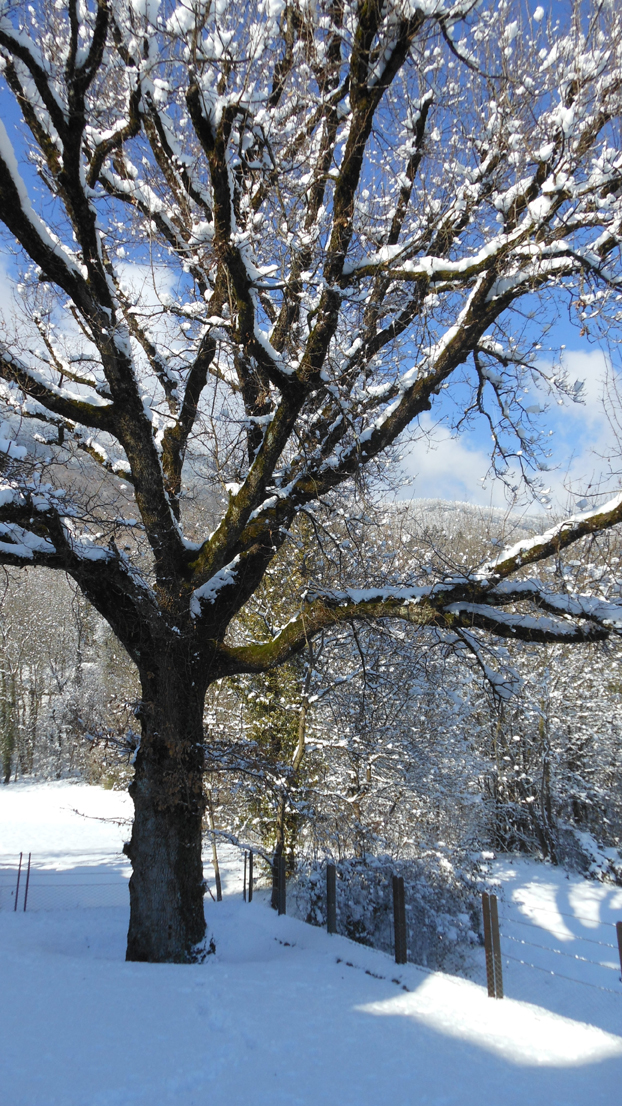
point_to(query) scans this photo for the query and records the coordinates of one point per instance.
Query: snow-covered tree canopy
(271, 235)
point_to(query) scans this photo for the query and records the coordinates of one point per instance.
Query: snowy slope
(284, 1013)
(45, 819)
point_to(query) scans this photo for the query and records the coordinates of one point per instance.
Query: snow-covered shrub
(595, 859)
(442, 906)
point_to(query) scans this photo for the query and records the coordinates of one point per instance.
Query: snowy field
(283, 1013)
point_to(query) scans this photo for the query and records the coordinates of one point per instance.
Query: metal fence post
(19, 872)
(27, 882)
(619, 935)
(244, 879)
(250, 875)
(399, 920)
(490, 968)
(281, 875)
(331, 898)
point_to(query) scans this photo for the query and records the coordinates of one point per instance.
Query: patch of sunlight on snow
(517, 1031)
(586, 900)
(538, 902)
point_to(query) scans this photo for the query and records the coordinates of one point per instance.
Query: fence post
(212, 826)
(331, 898)
(19, 872)
(27, 882)
(250, 875)
(399, 920)
(244, 879)
(281, 878)
(496, 946)
(619, 934)
(490, 969)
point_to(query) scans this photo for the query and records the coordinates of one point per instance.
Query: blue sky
(583, 443)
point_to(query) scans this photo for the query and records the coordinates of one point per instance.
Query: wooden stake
(250, 876)
(496, 946)
(619, 935)
(399, 920)
(19, 872)
(281, 876)
(210, 814)
(244, 880)
(331, 898)
(27, 882)
(490, 968)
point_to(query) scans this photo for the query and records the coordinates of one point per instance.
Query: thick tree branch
(554, 540)
(92, 410)
(418, 606)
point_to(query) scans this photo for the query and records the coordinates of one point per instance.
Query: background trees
(66, 689)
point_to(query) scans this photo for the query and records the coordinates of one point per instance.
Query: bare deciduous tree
(270, 237)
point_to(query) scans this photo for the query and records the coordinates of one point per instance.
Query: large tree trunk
(167, 922)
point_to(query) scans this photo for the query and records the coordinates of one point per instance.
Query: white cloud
(7, 285)
(583, 446)
(446, 467)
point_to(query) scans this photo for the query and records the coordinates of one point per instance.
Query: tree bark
(167, 922)
(278, 852)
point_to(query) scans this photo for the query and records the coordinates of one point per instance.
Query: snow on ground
(61, 822)
(283, 1013)
(547, 908)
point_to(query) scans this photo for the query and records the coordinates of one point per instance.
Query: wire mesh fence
(609, 961)
(33, 887)
(83, 882)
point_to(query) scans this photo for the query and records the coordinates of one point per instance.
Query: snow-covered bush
(442, 907)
